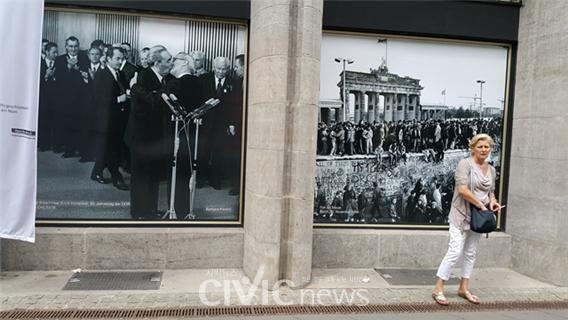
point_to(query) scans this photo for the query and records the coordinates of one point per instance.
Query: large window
(117, 90)
(392, 164)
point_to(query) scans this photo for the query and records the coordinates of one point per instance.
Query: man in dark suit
(234, 141)
(219, 124)
(71, 87)
(127, 70)
(89, 107)
(185, 88)
(198, 63)
(129, 52)
(147, 125)
(110, 95)
(48, 95)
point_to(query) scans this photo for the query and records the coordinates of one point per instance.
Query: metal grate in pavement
(279, 310)
(123, 280)
(412, 277)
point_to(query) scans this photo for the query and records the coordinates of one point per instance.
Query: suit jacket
(89, 104)
(128, 71)
(186, 89)
(228, 112)
(70, 81)
(107, 111)
(149, 116)
(47, 87)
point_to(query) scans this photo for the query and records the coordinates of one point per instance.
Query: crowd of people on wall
(425, 203)
(104, 105)
(395, 139)
(424, 198)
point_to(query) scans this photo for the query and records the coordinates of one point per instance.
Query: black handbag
(481, 221)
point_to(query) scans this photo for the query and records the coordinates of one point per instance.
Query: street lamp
(481, 82)
(348, 61)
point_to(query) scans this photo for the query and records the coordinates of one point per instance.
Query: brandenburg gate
(401, 96)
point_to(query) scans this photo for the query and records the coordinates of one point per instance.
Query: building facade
(283, 105)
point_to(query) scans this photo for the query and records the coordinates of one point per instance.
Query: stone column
(364, 107)
(418, 110)
(396, 112)
(377, 109)
(285, 38)
(405, 105)
(339, 117)
(371, 106)
(358, 106)
(389, 107)
(347, 111)
(410, 108)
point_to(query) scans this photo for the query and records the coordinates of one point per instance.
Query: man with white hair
(147, 125)
(199, 63)
(221, 126)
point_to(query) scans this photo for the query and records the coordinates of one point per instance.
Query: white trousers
(462, 244)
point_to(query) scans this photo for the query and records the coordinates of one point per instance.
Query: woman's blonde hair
(480, 137)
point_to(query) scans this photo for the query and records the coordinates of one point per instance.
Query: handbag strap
(470, 175)
(470, 180)
(471, 184)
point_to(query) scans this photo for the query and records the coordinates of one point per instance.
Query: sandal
(440, 298)
(469, 297)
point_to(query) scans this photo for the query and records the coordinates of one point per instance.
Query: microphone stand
(171, 213)
(196, 116)
(193, 179)
(178, 115)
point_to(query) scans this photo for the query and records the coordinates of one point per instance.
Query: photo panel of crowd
(392, 128)
(140, 118)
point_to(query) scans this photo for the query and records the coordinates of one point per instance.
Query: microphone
(167, 101)
(197, 110)
(175, 102)
(201, 110)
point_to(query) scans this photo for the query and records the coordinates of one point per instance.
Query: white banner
(21, 25)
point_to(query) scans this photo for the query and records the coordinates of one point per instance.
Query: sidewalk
(180, 288)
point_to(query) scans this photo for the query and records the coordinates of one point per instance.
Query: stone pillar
(405, 106)
(411, 107)
(418, 110)
(364, 107)
(397, 114)
(285, 35)
(389, 106)
(347, 111)
(339, 117)
(358, 106)
(377, 109)
(371, 106)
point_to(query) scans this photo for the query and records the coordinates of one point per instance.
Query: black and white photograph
(141, 117)
(395, 117)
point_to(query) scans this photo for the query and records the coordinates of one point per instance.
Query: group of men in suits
(128, 124)
(76, 115)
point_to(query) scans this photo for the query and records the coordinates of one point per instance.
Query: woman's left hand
(495, 206)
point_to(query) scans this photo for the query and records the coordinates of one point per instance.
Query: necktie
(219, 88)
(120, 81)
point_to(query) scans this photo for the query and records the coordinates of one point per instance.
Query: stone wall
(538, 178)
